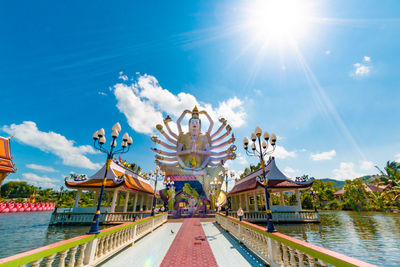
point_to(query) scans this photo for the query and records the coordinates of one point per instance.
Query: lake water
(373, 237)
(24, 231)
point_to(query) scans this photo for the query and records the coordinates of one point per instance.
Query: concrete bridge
(157, 241)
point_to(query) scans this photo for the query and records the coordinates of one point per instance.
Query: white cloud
(346, 172)
(36, 180)
(40, 168)
(102, 93)
(282, 153)
(328, 52)
(323, 156)
(366, 165)
(290, 171)
(122, 76)
(144, 102)
(397, 156)
(51, 142)
(362, 69)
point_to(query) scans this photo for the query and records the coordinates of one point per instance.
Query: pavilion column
(247, 201)
(255, 201)
(282, 198)
(298, 199)
(77, 198)
(126, 201)
(118, 200)
(141, 203)
(135, 202)
(107, 194)
(240, 201)
(114, 200)
(151, 202)
(95, 198)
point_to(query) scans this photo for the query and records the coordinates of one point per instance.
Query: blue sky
(328, 87)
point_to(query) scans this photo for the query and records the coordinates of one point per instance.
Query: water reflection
(20, 232)
(370, 236)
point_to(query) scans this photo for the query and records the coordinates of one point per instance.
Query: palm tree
(391, 178)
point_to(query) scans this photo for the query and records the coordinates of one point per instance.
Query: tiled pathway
(190, 247)
(190, 243)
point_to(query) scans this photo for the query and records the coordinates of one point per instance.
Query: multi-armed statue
(194, 150)
(195, 153)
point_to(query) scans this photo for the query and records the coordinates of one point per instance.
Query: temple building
(249, 194)
(6, 164)
(137, 191)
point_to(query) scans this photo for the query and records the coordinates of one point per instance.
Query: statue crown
(195, 113)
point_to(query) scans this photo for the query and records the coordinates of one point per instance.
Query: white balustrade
(88, 250)
(281, 250)
(283, 216)
(87, 218)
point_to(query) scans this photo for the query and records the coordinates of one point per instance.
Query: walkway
(191, 243)
(190, 247)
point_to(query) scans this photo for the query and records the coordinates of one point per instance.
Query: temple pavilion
(249, 193)
(6, 164)
(137, 191)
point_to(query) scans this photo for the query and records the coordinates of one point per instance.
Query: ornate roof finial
(195, 113)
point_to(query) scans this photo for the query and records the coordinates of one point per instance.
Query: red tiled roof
(276, 179)
(6, 164)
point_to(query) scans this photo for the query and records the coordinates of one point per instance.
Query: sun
(278, 20)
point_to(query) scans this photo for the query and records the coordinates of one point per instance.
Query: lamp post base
(94, 228)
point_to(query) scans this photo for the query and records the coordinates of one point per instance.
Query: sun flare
(278, 20)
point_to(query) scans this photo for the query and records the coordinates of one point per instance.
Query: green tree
(17, 190)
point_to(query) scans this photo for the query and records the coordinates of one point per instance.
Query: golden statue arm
(160, 129)
(210, 120)
(166, 121)
(158, 141)
(223, 121)
(165, 158)
(229, 141)
(228, 131)
(178, 122)
(173, 164)
(165, 153)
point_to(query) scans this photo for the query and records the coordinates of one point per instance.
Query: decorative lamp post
(260, 150)
(214, 188)
(232, 175)
(314, 195)
(99, 141)
(170, 185)
(154, 176)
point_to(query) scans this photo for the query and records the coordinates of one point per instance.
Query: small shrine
(120, 180)
(249, 193)
(193, 162)
(6, 164)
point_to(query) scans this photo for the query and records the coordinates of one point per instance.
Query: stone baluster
(63, 255)
(50, 260)
(311, 260)
(79, 261)
(292, 253)
(37, 263)
(285, 255)
(71, 262)
(300, 256)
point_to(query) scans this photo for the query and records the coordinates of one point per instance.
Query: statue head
(195, 122)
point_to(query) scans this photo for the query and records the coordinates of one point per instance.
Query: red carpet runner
(190, 247)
